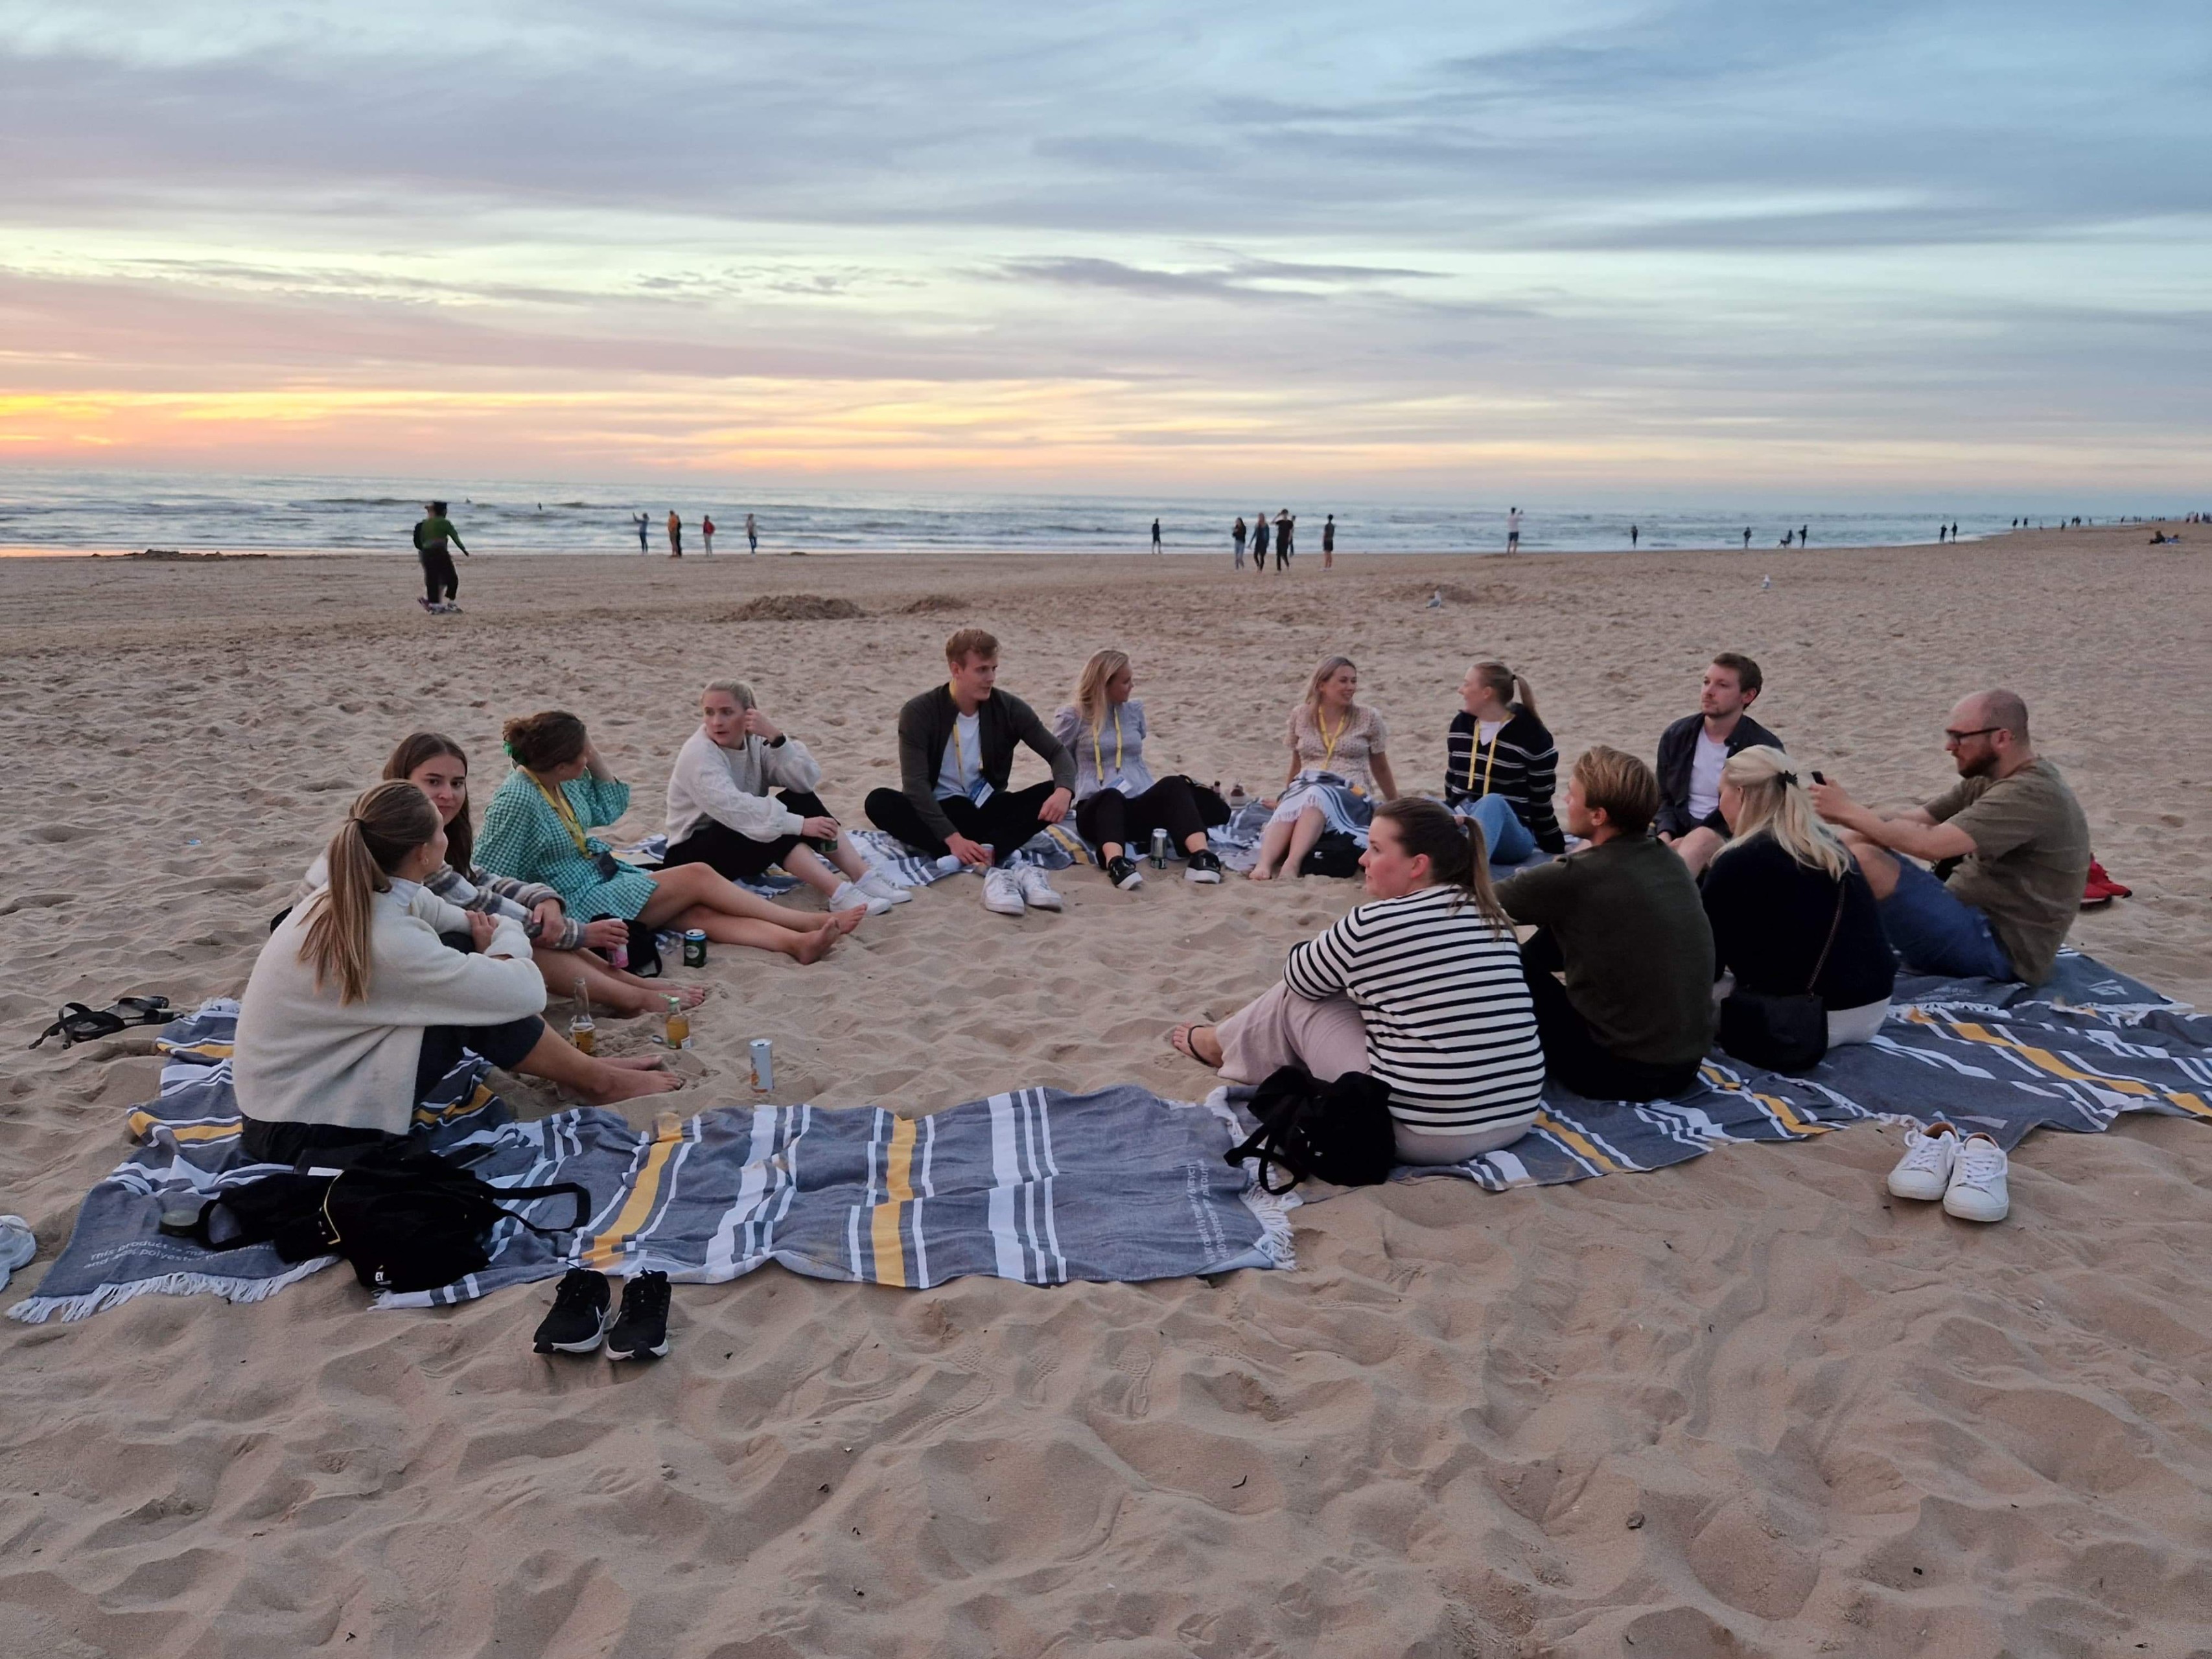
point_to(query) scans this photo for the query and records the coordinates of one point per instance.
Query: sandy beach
(1743, 1406)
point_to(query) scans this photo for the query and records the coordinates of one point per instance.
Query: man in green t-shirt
(2013, 835)
(441, 581)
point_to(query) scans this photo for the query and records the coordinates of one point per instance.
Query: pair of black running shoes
(580, 1319)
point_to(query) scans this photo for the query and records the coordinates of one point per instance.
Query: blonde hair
(1506, 686)
(1775, 803)
(1618, 785)
(739, 691)
(1320, 676)
(382, 828)
(1090, 684)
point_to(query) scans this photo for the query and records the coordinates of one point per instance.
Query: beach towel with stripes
(1037, 1186)
(2002, 1058)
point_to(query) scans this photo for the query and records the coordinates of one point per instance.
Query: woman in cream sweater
(356, 1007)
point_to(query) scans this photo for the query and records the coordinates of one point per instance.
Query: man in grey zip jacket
(956, 750)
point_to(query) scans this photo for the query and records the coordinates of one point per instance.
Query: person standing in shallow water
(707, 532)
(1156, 535)
(675, 535)
(752, 535)
(643, 524)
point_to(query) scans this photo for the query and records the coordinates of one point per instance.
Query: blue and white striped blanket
(2003, 1058)
(1038, 1186)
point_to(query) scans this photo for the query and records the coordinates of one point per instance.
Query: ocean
(66, 511)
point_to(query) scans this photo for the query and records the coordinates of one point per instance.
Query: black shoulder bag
(1783, 1034)
(1338, 1132)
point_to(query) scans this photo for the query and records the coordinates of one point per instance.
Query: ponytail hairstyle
(1090, 686)
(542, 741)
(1775, 803)
(1454, 851)
(420, 749)
(1507, 686)
(382, 828)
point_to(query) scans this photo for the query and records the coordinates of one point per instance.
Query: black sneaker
(579, 1318)
(1205, 867)
(1122, 872)
(641, 1332)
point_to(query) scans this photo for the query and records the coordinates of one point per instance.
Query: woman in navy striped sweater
(1499, 752)
(1421, 987)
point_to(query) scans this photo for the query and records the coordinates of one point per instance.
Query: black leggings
(1573, 1056)
(441, 581)
(740, 857)
(1168, 804)
(504, 1045)
(1003, 824)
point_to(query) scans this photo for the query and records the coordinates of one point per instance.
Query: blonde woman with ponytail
(1118, 803)
(366, 994)
(1501, 767)
(1778, 890)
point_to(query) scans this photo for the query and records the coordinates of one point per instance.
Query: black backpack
(406, 1218)
(1338, 1132)
(1334, 854)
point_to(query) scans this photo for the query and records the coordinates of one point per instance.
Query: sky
(1880, 248)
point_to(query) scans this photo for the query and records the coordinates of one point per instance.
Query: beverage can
(764, 1064)
(585, 1033)
(694, 947)
(619, 955)
(1160, 849)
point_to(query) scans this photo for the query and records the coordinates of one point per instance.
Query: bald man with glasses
(2009, 839)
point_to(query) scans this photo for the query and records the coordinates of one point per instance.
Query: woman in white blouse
(720, 813)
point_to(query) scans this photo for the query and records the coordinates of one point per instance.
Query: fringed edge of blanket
(1271, 1210)
(37, 1310)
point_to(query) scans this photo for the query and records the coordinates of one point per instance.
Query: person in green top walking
(535, 830)
(441, 581)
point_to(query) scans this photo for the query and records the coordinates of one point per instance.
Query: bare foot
(634, 1062)
(1198, 1041)
(687, 996)
(1257, 874)
(815, 946)
(621, 1082)
(845, 920)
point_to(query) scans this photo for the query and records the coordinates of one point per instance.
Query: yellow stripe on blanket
(1713, 1077)
(479, 1096)
(200, 1050)
(2044, 1060)
(884, 1222)
(1575, 1140)
(644, 1194)
(142, 1122)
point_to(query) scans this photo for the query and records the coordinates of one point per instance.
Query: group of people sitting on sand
(1654, 895)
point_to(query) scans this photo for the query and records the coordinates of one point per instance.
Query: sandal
(78, 1024)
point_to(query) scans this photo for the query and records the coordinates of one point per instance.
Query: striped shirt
(1450, 1029)
(1521, 764)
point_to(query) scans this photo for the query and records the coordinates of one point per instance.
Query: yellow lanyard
(1329, 738)
(1097, 756)
(1489, 758)
(558, 800)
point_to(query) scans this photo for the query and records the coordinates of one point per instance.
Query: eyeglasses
(1951, 737)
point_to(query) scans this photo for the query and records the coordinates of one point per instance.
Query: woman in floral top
(535, 830)
(1338, 771)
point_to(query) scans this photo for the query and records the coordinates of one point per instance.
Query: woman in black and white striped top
(1421, 987)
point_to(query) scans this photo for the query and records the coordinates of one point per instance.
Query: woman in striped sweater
(1421, 987)
(1501, 766)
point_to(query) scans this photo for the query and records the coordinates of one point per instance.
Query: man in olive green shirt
(440, 582)
(2011, 830)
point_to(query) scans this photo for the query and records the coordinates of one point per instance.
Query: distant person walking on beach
(1259, 542)
(1156, 535)
(752, 535)
(643, 525)
(1804, 534)
(1237, 536)
(1631, 535)
(1284, 524)
(440, 582)
(1747, 539)
(1513, 530)
(1329, 544)
(707, 532)
(675, 535)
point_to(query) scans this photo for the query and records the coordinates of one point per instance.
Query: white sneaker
(1924, 1171)
(849, 893)
(1977, 1192)
(1002, 893)
(1037, 889)
(877, 884)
